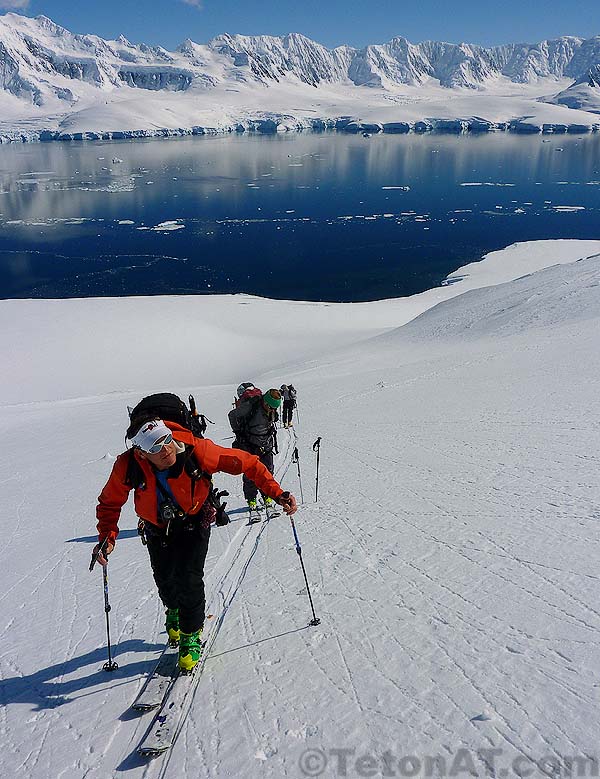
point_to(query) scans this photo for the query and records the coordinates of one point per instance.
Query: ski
(169, 718)
(254, 516)
(152, 693)
(270, 512)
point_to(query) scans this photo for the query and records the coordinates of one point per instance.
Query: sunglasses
(164, 441)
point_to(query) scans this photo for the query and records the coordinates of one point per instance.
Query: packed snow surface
(452, 553)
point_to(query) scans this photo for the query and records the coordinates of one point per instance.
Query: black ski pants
(288, 411)
(266, 458)
(177, 561)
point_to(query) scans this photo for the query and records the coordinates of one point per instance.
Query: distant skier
(283, 391)
(289, 404)
(253, 423)
(172, 502)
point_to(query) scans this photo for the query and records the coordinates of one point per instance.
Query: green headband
(272, 400)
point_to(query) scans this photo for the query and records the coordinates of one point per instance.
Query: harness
(136, 479)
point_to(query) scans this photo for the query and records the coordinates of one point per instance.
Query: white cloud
(196, 3)
(13, 4)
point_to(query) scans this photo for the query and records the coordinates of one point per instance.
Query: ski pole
(110, 665)
(317, 449)
(315, 620)
(296, 459)
(297, 414)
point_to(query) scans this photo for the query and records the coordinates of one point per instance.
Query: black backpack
(170, 407)
(166, 405)
(254, 402)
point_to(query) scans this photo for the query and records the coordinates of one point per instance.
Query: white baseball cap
(152, 436)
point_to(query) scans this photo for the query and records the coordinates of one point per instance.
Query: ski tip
(153, 751)
(144, 707)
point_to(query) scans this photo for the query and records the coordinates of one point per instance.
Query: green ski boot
(172, 626)
(190, 650)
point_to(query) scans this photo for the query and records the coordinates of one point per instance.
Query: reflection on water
(314, 217)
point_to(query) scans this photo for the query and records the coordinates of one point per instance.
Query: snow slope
(82, 86)
(452, 553)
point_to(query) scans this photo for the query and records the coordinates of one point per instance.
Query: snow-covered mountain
(37, 55)
(583, 93)
(55, 73)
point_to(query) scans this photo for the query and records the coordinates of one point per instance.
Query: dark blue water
(310, 217)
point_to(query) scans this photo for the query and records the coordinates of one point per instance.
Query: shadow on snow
(47, 688)
(94, 539)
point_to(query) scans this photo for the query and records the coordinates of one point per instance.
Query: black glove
(222, 517)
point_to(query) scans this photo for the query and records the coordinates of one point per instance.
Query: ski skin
(157, 684)
(152, 693)
(165, 725)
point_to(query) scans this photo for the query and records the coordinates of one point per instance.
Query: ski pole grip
(95, 555)
(317, 444)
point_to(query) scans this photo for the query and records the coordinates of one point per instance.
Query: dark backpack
(254, 401)
(166, 405)
(253, 392)
(170, 407)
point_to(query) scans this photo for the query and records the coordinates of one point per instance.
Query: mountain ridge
(273, 58)
(47, 67)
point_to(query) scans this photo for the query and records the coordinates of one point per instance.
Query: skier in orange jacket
(171, 491)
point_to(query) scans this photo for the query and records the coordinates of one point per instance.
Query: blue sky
(331, 22)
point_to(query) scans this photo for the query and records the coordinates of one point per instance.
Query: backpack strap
(136, 479)
(195, 472)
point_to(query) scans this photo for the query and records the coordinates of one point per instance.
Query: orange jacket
(210, 457)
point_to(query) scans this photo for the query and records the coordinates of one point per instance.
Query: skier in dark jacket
(253, 423)
(289, 404)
